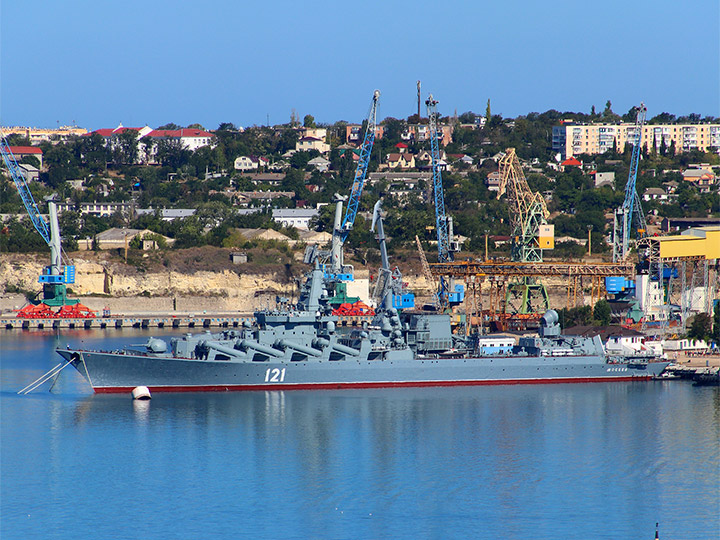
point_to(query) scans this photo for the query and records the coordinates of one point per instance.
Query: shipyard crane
(341, 229)
(428, 273)
(57, 275)
(528, 210)
(631, 212)
(390, 290)
(530, 234)
(448, 293)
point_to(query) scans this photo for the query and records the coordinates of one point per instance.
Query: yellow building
(37, 135)
(571, 139)
(698, 242)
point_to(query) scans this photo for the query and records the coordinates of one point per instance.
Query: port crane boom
(631, 211)
(528, 210)
(342, 228)
(530, 235)
(448, 293)
(57, 275)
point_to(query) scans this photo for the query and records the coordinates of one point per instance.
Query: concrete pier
(129, 321)
(217, 320)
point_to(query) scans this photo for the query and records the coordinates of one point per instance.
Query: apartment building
(38, 135)
(421, 133)
(570, 139)
(355, 134)
(95, 208)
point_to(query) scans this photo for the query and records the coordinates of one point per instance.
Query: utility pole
(418, 100)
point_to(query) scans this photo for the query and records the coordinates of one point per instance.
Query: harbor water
(575, 461)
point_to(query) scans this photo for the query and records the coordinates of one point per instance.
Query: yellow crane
(428, 275)
(531, 234)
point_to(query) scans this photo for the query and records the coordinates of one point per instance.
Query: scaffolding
(687, 280)
(498, 276)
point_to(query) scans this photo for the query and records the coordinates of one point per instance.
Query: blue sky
(98, 63)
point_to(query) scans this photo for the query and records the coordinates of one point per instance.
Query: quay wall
(122, 289)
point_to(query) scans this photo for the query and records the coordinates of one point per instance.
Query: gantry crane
(530, 234)
(57, 275)
(449, 294)
(631, 212)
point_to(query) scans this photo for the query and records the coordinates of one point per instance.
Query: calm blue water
(586, 461)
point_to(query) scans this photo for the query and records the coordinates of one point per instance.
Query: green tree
(467, 118)
(488, 113)
(309, 121)
(631, 115)
(62, 165)
(662, 118)
(172, 153)
(601, 312)
(31, 160)
(578, 316)
(93, 152)
(125, 148)
(394, 129)
(701, 327)
(148, 146)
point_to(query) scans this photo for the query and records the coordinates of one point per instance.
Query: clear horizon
(97, 64)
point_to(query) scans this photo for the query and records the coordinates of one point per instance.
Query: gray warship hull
(123, 371)
(298, 346)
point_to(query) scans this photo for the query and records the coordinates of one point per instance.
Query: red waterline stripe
(339, 386)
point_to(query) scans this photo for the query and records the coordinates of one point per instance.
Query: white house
(655, 194)
(493, 181)
(320, 164)
(604, 179)
(247, 163)
(295, 217)
(105, 208)
(191, 138)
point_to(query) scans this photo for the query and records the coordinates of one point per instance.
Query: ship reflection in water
(424, 463)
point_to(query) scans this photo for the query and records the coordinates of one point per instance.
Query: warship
(299, 345)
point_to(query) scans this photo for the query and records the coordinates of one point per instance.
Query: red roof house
(21, 151)
(571, 162)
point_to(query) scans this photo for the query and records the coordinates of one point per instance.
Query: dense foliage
(204, 179)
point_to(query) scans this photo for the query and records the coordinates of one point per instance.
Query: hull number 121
(275, 375)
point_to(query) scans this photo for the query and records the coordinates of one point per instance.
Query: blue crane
(631, 210)
(57, 275)
(342, 228)
(362, 169)
(448, 293)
